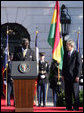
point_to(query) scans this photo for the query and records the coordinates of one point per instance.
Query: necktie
(24, 53)
(68, 55)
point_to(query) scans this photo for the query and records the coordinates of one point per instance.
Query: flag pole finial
(9, 31)
(36, 30)
(78, 33)
(79, 29)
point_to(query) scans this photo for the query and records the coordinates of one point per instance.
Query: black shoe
(8, 104)
(68, 110)
(39, 105)
(44, 105)
(75, 109)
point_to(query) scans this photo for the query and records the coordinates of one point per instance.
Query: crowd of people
(49, 73)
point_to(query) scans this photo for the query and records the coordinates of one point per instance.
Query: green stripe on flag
(51, 36)
(62, 54)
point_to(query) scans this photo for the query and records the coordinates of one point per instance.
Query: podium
(24, 74)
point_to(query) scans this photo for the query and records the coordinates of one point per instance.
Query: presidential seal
(24, 68)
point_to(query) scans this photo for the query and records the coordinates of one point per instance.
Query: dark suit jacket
(71, 66)
(53, 76)
(18, 55)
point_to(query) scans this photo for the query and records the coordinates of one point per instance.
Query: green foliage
(81, 98)
(61, 99)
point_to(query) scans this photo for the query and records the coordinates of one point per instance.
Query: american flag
(6, 51)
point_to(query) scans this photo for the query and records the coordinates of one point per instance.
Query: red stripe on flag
(57, 33)
(56, 5)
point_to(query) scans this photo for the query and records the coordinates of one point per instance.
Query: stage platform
(11, 108)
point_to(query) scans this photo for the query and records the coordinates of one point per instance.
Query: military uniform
(42, 81)
(53, 79)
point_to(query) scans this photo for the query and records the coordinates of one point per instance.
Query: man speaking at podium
(24, 80)
(24, 53)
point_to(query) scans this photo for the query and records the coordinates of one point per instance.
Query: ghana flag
(54, 38)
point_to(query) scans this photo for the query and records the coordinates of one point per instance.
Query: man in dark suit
(71, 72)
(53, 79)
(24, 53)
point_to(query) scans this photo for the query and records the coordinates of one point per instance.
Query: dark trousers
(41, 88)
(71, 89)
(54, 97)
(9, 91)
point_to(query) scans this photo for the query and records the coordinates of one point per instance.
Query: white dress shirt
(70, 52)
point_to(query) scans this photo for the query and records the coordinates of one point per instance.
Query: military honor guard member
(53, 79)
(42, 79)
(71, 73)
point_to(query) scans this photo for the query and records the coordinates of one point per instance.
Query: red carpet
(5, 108)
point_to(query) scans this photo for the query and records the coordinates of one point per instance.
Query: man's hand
(77, 79)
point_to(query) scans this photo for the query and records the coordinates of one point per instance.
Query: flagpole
(78, 40)
(37, 59)
(6, 86)
(37, 51)
(7, 69)
(58, 76)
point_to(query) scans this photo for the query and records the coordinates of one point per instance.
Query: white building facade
(32, 14)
